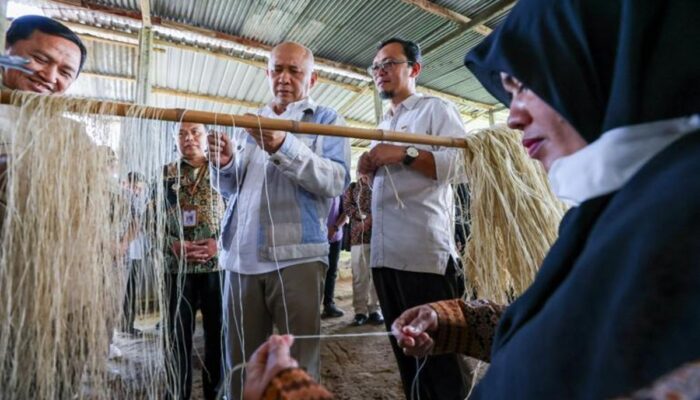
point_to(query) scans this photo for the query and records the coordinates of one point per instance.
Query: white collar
(607, 164)
(306, 103)
(408, 103)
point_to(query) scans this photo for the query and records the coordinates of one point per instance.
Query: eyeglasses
(384, 66)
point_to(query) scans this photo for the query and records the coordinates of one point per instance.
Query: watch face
(412, 152)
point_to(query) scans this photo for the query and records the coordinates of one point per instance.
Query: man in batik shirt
(192, 280)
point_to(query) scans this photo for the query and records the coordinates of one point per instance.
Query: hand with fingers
(412, 330)
(365, 165)
(205, 250)
(267, 361)
(332, 230)
(386, 154)
(268, 140)
(199, 251)
(220, 148)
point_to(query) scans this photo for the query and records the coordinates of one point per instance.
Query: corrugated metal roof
(447, 58)
(466, 7)
(343, 31)
(103, 89)
(110, 59)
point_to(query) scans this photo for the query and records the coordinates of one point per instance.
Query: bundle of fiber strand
(513, 215)
(64, 216)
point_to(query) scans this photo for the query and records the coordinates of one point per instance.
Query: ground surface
(357, 368)
(352, 368)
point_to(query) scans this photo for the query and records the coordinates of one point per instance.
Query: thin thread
(238, 326)
(342, 335)
(272, 231)
(475, 376)
(415, 386)
(399, 203)
(333, 336)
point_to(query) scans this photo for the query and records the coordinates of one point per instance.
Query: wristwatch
(411, 155)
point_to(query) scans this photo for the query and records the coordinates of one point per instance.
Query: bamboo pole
(250, 121)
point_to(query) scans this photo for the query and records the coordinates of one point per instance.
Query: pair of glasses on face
(385, 66)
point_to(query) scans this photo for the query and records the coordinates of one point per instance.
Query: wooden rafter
(444, 12)
(488, 13)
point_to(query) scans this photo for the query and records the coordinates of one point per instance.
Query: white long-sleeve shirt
(419, 236)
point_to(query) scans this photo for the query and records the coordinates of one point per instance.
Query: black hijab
(601, 64)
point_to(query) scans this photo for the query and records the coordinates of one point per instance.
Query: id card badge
(189, 217)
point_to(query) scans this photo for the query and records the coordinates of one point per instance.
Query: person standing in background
(336, 220)
(357, 203)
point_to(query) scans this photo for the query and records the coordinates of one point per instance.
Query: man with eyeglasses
(274, 236)
(413, 253)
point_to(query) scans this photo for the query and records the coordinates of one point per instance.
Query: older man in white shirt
(274, 244)
(413, 253)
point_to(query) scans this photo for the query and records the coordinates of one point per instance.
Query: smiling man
(55, 53)
(274, 241)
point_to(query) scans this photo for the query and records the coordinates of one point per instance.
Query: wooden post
(143, 75)
(378, 112)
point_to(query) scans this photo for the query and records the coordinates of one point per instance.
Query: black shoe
(359, 320)
(331, 311)
(376, 318)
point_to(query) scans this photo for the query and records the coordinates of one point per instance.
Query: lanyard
(198, 179)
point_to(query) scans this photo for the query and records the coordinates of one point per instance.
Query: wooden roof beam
(146, 13)
(444, 12)
(488, 13)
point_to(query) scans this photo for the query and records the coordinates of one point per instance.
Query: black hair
(410, 49)
(135, 177)
(23, 27)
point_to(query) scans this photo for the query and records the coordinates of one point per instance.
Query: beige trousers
(253, 304)
(364, 296)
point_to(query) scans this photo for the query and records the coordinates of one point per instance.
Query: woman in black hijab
(607, 94)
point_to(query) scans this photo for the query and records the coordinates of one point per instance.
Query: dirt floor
(357, 368)
(352, 368)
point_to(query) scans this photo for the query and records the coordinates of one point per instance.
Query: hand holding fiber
(412, 330)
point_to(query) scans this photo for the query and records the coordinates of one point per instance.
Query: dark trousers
(129, 306)
(331, 274)
(186, 293)
(444, 376)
